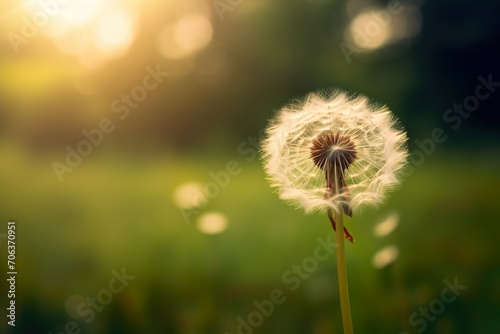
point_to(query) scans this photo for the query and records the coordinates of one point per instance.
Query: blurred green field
(114, 211)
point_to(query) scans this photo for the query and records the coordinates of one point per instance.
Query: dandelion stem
(342, 275)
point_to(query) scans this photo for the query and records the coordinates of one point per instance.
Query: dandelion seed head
(359, 141)
(330, 148)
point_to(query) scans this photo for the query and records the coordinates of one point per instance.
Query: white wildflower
(334, 152)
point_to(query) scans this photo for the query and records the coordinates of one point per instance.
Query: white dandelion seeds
(334, 152)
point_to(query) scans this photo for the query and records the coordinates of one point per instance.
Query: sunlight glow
(115, 33)
(190, 33)
(93, 31)
(65, 17)
(79, 13)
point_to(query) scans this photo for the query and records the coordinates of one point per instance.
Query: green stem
(342, 274)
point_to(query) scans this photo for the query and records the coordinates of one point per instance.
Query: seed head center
(333, 149)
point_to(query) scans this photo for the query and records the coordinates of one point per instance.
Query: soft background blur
(145, 199)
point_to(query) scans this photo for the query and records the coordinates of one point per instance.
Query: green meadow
(113, 212)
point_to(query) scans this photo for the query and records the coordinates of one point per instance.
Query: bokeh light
(93, 31)
(115, 33)
(212, 223)
(386, 226)
(189, 195)
(385, 256)
(367, 32)
(374, 27)
(188, 34)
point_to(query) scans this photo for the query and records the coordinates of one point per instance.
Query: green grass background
(114, 212)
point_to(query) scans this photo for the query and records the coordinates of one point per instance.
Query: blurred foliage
(116, 209)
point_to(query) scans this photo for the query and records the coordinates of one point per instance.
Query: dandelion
(336, 153)
(332, 152)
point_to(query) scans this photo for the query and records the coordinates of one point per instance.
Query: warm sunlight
(93, 31)
(115, 33)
